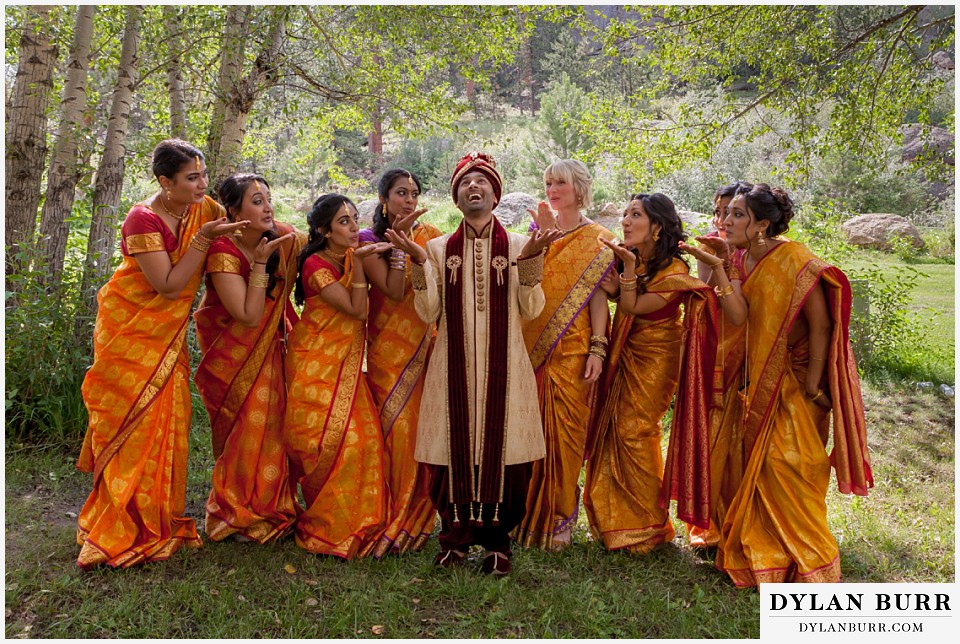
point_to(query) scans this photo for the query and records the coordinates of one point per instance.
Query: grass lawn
(904, 531)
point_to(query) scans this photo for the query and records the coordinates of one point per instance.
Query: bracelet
(201, 242)
(628, 286)
(820, 394)
(817, 359)
(598, 351)
(599, 339)
(261, 263)
(627, 280)
(723, 292)
(398, 264)
(359, 285)
(397, 253)
(259, 280)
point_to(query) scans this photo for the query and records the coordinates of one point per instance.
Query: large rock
(876, 230)
(942, 60)
(365, 212)
(512, 209)
(939, 143)
(693, 219)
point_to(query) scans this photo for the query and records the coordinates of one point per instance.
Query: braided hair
(230, 195)
(320, 218)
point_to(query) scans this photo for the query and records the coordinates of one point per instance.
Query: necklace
(175, 216)
(579, 223)
(338, 259)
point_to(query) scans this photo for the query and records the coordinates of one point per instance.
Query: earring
(656, 236)
(327, 235)
(761, 242)
(385, 209)
(169, 198)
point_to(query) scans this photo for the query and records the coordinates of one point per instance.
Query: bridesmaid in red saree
(241, 325)
(137, 392)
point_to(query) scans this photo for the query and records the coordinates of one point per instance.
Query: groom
(480, 424)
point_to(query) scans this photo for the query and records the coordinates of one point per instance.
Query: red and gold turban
(477, 162)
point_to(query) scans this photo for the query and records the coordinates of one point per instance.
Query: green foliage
(45, 365)
(556, 131)
(884, 332)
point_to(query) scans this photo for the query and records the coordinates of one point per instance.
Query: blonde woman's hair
(575, 173)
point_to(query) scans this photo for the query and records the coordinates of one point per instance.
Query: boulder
(305, 205)
(512, 209)
(693, 219)
(942, 60)
(938, 141)
(876, 230)
(365, 211)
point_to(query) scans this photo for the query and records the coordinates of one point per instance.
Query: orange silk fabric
(775, 529)
(397, 350)
(332, 431)
(138, 399)
(241, 382)
(625, 465)
(558, 341)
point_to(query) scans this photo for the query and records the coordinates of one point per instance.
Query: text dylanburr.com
(892, 611)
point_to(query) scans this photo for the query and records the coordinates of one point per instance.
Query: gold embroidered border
(224, 263)
(418, 277)
(530, 270)
(767, 385)
(144, 243)
(322, 278)
(405, 384)
(572, 304)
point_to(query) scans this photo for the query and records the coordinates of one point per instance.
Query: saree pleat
(775, 529)
(241, 382)
(398, 346)
(332, 430)
(558, 341)
(625, 462)
(138, 399)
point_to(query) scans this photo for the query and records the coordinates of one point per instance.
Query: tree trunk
(62, 176)
(26, 132)
(526, 75)
(375, 137)
(243, 94)
(178, 112)
(109, 182)
(231, 66)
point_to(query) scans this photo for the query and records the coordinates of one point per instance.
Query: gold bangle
(259, 280)
(613, 298)
(817, 359)
(400, 265)
(359, 285)
(599, 339)
(201, 242)
(723, 292)
(598, 351)
(627, 280)
(815, 396)
(628, 286)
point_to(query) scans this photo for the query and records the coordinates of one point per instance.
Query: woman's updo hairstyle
(171, 155)
(320, 219)
(230, 195)
(390, 177)
(770, 204)
(661, 210)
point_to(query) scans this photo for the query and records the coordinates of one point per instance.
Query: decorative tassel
(456, 519)
(496, 514)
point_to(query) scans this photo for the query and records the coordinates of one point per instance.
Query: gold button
(480, 307)
(480, 300)
(480, 277)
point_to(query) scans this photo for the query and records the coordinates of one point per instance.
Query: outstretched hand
(371, 249)
(404, 223)
(701, 254)
(543, 217)
(540, 239)
(221, 226)
(265, 248)
(399, 239)
(716, 245)
(623, 253)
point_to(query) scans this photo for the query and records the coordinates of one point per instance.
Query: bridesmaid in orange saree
(653, 355)
(137, 392)
(726, 430)
(397, 348)
(567, 343)
(799, 368)
(331, 427)
(241, 325)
